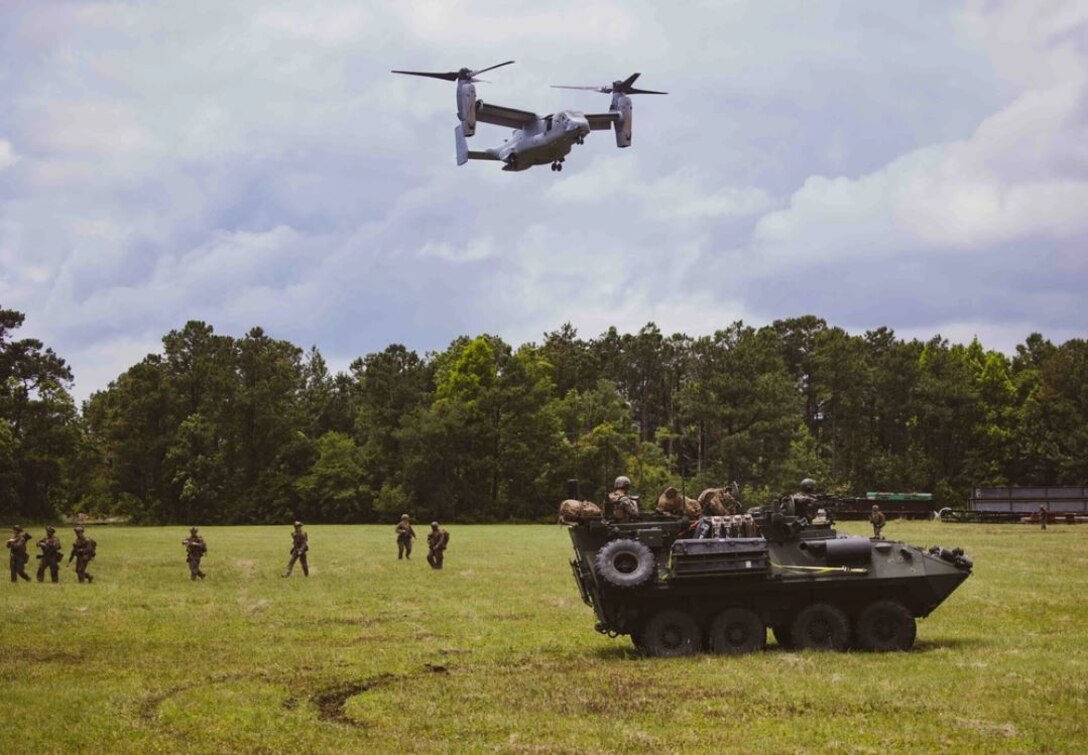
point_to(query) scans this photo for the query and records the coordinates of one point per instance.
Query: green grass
(144, 660)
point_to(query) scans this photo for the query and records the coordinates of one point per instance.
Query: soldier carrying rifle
(300, 544)
(84, 549)
(405, 536)
(437, 542)
(18, 558)
(50, 556)
(195, 548)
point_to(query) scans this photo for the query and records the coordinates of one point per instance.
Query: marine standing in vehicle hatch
(50, 555)
(84, 549)
(804, 502)
(300, 544)
(195, 548)
(18, 558)
(405, 536)
(877, 519)
(437, 541)
(621, 507)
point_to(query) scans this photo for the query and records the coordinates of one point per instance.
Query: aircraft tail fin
(462, 145)
(464, 154)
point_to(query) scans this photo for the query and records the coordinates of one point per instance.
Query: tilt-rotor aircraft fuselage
(537, 139)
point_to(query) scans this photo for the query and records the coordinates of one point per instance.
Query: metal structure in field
(894, 505)
(815, 589)
(1016, 504)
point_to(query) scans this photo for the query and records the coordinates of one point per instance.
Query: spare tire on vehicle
(625, 563)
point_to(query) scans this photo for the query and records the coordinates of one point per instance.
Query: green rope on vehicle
(822, 569)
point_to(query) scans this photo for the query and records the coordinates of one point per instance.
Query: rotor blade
(626, 85)
(489, 68)
(450, 76)
(642, 91)
(602, 90)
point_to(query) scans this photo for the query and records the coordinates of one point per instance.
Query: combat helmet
(622, 483)
(78, 529)
(50, 530)
(434, 525)
(808, 485)
(192, 530)
(16, 528)
(298, 525)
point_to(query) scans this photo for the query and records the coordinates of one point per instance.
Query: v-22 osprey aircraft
(537, 139)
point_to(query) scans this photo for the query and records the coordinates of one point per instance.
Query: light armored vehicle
(680, 586)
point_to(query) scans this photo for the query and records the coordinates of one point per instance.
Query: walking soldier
(84, 549)
(50, 556)
(300, 544)
(195, 548)
(18, 558)
(437, 541)
(405, 536)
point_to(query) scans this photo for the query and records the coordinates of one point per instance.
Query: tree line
(218, 429)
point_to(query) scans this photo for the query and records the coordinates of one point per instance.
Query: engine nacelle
(621, 103)
(466, 106)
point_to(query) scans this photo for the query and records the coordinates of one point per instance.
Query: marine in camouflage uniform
(50, 556)
(878, 520)
(195, 548)
(405, 536)
(17, 559)
(1042, 517)
(437, 541)
(300, 544)
(621, 506)
(804, 501)
(84, 549)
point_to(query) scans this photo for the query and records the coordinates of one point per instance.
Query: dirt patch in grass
(330, 702)
(48, 656)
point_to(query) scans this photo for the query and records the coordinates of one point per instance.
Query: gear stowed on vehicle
(677, 594)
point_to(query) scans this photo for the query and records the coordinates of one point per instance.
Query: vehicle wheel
(636, 640)
(670, 634)
(737, 630)
(821, 626)
(625, 563)
(783, 636)
(886, 625)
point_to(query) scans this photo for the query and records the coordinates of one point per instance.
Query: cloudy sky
(922, 166)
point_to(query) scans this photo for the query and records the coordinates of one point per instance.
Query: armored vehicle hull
(677, 595)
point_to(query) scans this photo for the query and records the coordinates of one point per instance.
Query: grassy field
(497, 652)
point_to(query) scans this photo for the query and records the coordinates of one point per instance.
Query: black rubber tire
(737, 630)
(670, 634)
(783, 636)
(625, 563)
(886, 625)
(636, 640)
(821, 626)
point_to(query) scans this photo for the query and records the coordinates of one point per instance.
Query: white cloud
(255, 163)
(7, 155)
(475, 251)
